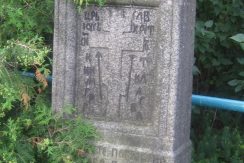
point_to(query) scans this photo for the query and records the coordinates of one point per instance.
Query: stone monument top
(127, 66)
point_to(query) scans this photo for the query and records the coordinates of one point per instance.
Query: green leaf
(241, 73)
(215, 62)
(209, 34)
(238, 38)
(238, 88)
(208, 23)
(233, 82)
(225, 61)
(241, 60)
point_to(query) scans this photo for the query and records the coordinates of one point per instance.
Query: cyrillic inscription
(134, 68)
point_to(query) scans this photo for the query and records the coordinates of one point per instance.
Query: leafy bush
(218, 136)
(24, 19)
(29, 131)
(218, 57)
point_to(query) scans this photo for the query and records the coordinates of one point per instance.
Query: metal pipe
(220, 103)
(206, 101)
(32, 75)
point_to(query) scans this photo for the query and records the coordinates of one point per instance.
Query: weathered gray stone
(127, 67)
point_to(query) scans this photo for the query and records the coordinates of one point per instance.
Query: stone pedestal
(127, 67)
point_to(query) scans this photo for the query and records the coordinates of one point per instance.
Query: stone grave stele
(127, 67)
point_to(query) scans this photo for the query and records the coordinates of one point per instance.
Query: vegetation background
(29, 132)
(219, 71)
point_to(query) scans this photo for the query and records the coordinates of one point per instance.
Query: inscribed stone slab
(127, 67)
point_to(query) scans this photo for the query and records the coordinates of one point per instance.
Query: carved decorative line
(129, 76)
(94, 47)
(121, 58)
(121, 62)
(105, 31)
(119, 107)
(99, 56)
(133, 51)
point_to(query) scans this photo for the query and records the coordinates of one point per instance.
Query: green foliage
(29, 131)
(26, 53)
(239, 38)
(70, 140)
(218, 48)
(218, 136)
(36, 135)
(24, 19)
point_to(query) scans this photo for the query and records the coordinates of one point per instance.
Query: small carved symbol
(93, 15)
(140, 79)
(145, 44)
(139, 91)
(85, 39)
(142, 99)
(88, 57)
(146, 16)
(89, 70)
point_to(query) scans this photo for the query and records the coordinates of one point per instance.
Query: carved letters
(134, 68)
(113, 155)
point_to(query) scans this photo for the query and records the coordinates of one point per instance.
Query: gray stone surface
(127, 67)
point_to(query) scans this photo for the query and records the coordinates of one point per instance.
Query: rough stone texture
(127, 67)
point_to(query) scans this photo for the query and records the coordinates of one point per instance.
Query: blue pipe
(212, 102)
(220, 103)
(32, 75)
